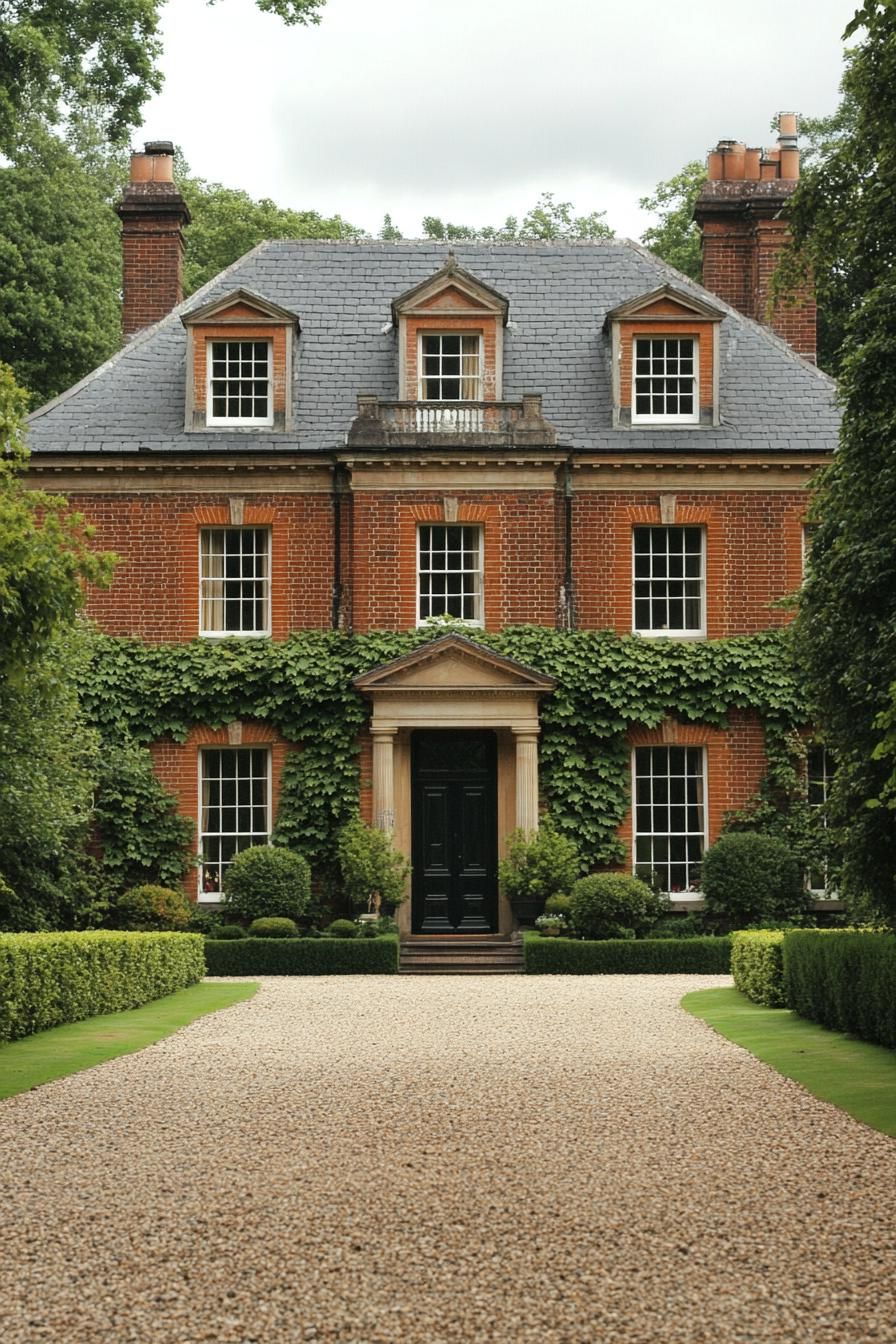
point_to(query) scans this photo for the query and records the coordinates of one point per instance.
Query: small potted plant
(539, 864)
(552, 926)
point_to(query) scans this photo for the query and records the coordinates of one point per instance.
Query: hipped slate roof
(559, 294)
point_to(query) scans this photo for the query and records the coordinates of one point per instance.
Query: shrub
(748, 877)
(678, 926)
(50, 978)
(373, 872)
(267, 880)
(757, 965)
(227, 931)
(303, 956)
(148, 909)
(272, 926)
(538, 865)
(845, 979)
(612, 905)
(342, 928)
(646, 956)
(558, 904)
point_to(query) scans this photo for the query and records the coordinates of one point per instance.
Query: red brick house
(364, 436)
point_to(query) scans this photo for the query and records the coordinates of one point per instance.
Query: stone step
(447, 955)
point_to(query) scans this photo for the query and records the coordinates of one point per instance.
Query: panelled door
(454, 802)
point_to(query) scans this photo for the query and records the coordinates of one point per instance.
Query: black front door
(455, 832)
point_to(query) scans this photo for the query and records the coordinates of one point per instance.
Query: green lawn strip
(858, 1077)
(78, 1045)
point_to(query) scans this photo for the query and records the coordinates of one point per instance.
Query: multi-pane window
(239, 383)
(450, 572)
(670, 814)
(665, 380)
(667, 565)
(450, 367)
(234, 580)
(819, 774)
(234, 808)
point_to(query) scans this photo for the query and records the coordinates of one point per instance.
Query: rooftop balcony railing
(409, 424)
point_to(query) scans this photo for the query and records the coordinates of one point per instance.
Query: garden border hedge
(620, 956)
(845, 979)
(757, 965)
(303, 956)
(47, 979)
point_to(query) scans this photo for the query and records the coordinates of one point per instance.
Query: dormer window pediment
(665, 351)
(239, 363)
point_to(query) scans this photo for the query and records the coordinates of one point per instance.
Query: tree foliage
(846, 624)
(105, 54)
(226, 223)
(675, 237)
(547, 220)
(60, 258)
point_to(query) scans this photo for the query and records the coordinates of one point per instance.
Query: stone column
(383, 778)
(526, 779)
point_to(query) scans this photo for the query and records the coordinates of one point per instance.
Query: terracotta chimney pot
(751, 164)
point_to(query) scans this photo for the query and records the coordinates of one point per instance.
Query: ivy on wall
(606, 684)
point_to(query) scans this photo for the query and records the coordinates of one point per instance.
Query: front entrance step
(460, 955)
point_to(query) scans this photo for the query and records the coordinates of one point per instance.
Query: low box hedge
(303, 956)
(47, 979)
(844, 979)
(618, 956)
(757, 965)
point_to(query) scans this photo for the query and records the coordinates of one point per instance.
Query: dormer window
(665, 387)
(450, 365)
(239, 383)
(239, 365)
(665, 352)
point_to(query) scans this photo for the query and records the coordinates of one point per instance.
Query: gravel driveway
(453, 1159)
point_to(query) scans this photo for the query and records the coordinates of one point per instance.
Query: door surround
(452, 682)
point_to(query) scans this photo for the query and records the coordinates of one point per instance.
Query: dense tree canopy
(847, 619)
(226, 223)
(546, 220)
(104, 53)
(675, 237)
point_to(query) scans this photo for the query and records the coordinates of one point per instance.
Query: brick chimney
(153, 214)
(741, 212)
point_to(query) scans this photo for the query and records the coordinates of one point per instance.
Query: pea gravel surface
(444, 1159)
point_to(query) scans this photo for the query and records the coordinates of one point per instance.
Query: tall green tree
(675, 237)
(48, 755)
(548, 219)
(60, 259)
(103, 53)
(226, 223)
(846, 624)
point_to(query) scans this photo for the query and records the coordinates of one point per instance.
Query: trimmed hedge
(50, 978)
(757, 964)
(844, 979)
(617, 956)
(303, 956)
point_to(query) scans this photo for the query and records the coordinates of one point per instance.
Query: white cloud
(470, 109)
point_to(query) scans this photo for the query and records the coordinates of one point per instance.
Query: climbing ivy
(606, 683)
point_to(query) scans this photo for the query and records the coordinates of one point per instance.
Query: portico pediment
(452, 665)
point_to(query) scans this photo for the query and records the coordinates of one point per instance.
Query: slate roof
(559, 293)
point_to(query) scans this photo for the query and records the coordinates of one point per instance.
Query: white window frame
(698, 632)
(421, 378)
(807, 530)
(823, 892)
(479, 620)
(683, 894)
(217, 895)
(235, 421)
(205, 580)
(648, 418)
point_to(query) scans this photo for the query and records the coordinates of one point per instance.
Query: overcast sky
(468, 109)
